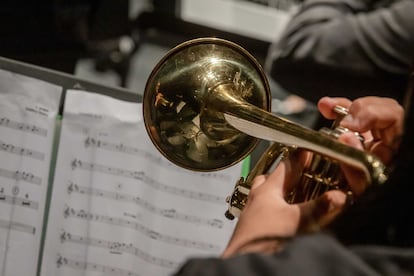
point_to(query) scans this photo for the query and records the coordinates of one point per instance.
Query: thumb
(258, 181)
(322, 210)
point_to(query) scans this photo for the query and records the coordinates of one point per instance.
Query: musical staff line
(21, 175)
(17, 226)
(93, 267)
(119, 248)
(140, 175)
(122, 148)
(21, 151)
(81, 214)
(29, 128)
(168, 213)
(97, 143)
(24, 202)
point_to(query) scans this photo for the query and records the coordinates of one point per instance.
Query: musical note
(33, 129)
(21, 175)
(18, 201)
(68, 212)
(110, 193)
(122, 148)
(119, 248)
(21, 151)
(88, 266)
(150, 233)
(72, 187)
(168, 213)
(60, 261)
(64, 236)
(76, 163)
(142, 176)
(28, 155)
(17, 226)
(4, 121)
(92, 142)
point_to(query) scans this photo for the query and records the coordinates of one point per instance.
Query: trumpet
(319, 174)
(206, 105)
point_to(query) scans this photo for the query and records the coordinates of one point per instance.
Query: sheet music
(120, 208)
(28, 109)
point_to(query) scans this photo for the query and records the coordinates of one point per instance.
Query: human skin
(267, 214)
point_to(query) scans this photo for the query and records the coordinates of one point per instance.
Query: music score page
(28, 112)
(119, 207)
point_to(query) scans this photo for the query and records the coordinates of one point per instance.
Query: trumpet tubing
(320, 173)
(206, 104)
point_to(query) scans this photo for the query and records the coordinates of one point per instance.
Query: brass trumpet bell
(206, 104)
(186, 96)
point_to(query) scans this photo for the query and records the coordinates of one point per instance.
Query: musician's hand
(378, 119)
(267, 214)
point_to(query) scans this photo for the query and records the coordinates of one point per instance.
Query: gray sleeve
(309, 255)
(329, 44)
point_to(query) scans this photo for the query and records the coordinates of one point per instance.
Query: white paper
(28, 110)
(118, 207)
